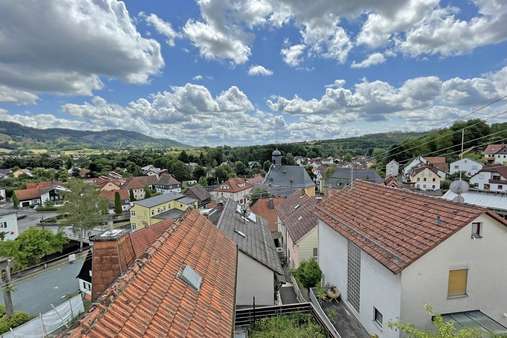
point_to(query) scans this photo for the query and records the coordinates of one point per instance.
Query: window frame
(466, 291)
(477, 234)
(378, 317)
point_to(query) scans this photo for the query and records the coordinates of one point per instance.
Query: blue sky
(251, 71)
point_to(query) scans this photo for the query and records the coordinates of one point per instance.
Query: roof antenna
(351, 175)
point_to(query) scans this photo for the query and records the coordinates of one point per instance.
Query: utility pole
(5, 266)
(462, 143)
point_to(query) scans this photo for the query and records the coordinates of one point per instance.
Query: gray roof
(341, 177)
(156, 200)
(187, 200)
(198, 192)
(173, 214)
(257, 243)
(287, 178)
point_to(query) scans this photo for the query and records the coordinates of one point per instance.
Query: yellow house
(297, 224)
(155, 209)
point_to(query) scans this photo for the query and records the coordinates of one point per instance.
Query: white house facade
(492, 179)
(387, 276)
(426, 179)
(465, 165)
(392, 168)
(9, 225)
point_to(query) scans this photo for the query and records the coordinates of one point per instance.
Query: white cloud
(65, 46)
(372, 59)
(198, 77)
(13, 95)
(292, 55)
(162, 27)
(419, 99)
(258, 70)
(414, 27)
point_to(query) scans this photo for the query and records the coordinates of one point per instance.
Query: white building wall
(480, 180)
(392, 168)
(470, 167)
(9, 226)
(254, 279)
(240, 196)
(379, 287)
(426, 280)
(500, 158)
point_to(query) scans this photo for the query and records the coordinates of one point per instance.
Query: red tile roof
(500, 169)
(151, 300)
(395, 226)
(235, 184)
(167, 179)
(422, 167)
(297, 212)
(266, 208)
(143, 238)
(492, 149)
(438, 162)
(34, 190)
(139, 182)
(110, 195)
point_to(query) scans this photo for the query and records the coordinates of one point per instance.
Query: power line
(456, 151)
(459, 130)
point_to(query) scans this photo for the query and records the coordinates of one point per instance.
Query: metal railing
(297, 290)
(315, 302)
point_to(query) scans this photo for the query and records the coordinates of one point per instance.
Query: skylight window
(296, 206)
(242, 234)
(252, 217)
(191, 277)
(300, 218)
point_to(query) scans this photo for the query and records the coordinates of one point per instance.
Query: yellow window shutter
(457, 282)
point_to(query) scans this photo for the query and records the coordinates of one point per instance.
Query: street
(35, 293)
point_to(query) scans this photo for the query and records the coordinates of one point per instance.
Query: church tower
(276, 157)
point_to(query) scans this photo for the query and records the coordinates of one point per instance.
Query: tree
(83, 208)
(240, 168)
(32, 245)
(444, 329)
(131, 195)
(203, 181)
(266, 165)
(289, 159)
(183, 157)
(198, 172)
(117, 203)
(147, 192)
(15, 201)
(308, 273)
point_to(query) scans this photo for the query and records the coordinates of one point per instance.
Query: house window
(3, 225)
(425, 179)
(132, 213)
(476, 230)
(315, 252)
(434, 179)
(433, 187)
(500, 187)
(377, 316)
(457, 283)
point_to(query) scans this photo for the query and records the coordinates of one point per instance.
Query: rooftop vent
(438, 221)
(300, 218)
(191, 277)
(296, 206)
(242, 234)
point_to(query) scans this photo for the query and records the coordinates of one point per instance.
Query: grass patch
(287, 326)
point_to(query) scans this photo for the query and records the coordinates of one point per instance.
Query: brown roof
(198, 192)
(438, 162)
(143, 238)
(297, 212)
(235, 184)
(35, 190)
(395, 226)
(422, 167)
(492, 149)
(139, 182)
(110, 195)
(266, 208)
(167, 179)
(500, 169)
(151, 300)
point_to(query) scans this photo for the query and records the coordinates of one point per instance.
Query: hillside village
(214, 255)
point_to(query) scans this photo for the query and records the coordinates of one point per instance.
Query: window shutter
(457, 282)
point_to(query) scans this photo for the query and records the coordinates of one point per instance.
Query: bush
(16, 319)
(287, 326)
(308, 273)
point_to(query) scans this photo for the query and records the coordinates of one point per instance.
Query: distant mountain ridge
(14, 135)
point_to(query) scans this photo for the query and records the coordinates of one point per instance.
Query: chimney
(112, 254)
(271, 204)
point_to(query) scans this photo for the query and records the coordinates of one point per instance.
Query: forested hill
(16, 136)
(447, 142)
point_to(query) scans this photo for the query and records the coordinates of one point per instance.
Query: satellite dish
(459, 187)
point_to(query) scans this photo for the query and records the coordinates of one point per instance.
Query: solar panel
(191, 277)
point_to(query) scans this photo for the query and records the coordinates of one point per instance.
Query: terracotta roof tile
(110, 194)
(297, 212)
(153, 301)
(395, 226)
(139, 182)
(235, 184)
(492, 149)
(266, 208)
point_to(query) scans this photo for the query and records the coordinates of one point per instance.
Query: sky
(240, 72)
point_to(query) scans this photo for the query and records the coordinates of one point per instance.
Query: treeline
(446, 142)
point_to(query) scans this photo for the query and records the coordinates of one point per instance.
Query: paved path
(35, 293)
(288, 295)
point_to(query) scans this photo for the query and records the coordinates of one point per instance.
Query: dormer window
(476, 230)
